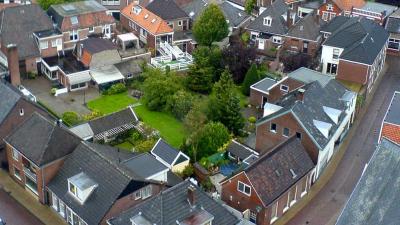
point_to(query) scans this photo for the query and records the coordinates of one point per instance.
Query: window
(332, 68)
(180, 23)
(73, 36)
(304, 187)
(290, 6)
(62, 209)
(138, 195)
(325, 16)
(171, 24)
(287, 203)
(54, 201)
(267, 21)
(72, 189)
(91, 29)
(298, 135)
(335, 54)
(284, 88)
(17, 173)
(253, 217)
(146, 192)
(274, 212)
(44, 44)
(286, 132)
(273, 127)
(394, 44)
(69, 216)
(15, 154)
(54, 43)
(293, 194)
(80, 85)
(277, 40)
(244, 188)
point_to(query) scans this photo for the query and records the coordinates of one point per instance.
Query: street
(13, 213)
(326, 206)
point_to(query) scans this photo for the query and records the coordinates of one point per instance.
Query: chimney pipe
(300, 94)
(191, 195)
(288, 19)
(13, 64)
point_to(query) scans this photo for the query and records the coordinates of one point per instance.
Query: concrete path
(327, 204)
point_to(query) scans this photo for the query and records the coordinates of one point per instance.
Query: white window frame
(277, 40)
(274, 215)
(146, 192)
(73, 35)
(54, 43)
(138, 195)
(61, 208)
(244, 188)
(294, 199)
(54, 202)
(304, 192)
(15, 154)
(91, 29)
(287, 204)
(325, 16)
(15, 175)
(44, 45)
(329, 7)
(396, 41)
(335, 54)
(267, 21)
(276, 128)
(180, 23)
(284, 88)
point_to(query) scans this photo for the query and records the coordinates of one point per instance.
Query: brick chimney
(13, 64)
(300, 94)
(316, 18)
(191, 192)
(289, 22)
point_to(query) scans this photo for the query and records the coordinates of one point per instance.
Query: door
(264, 100)
(261, 44)
(305, 47)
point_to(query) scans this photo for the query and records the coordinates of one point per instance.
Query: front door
(261, 44)
(305, 47)
(264, 100)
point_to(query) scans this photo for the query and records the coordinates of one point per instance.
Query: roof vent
(294, 175)
(146, 16)
(277, 173)
(240, 15)
(372, 40)
(153, 20)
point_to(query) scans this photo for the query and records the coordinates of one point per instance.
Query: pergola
(125, 39)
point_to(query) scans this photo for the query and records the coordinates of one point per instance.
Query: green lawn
(244, 100)
(170, 128)
(125, 145)
(111, 103)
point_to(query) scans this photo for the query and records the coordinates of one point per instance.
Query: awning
(106, 74)
(127, 37)
(80, 77)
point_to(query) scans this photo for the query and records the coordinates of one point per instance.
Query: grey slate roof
(112, 120)
(193, 8)
(95, 45)
(264, 84)
(334, 24)
(278, 24)
(234, 15)
(144, 165)
(131, 66)
(315, 96)
(307, 76)
(393, 113)
(393, 22)
(375, 199)
(307, 28)
(77, 8)
(239, 150)
(377, 7)
(9, 97)
(166, 9)
(270, 175)
(362, 40)
(112, 179)
(42, 141)
(18, 25)
(165, 151)
(172, 205)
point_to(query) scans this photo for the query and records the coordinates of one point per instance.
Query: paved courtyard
(71, 101)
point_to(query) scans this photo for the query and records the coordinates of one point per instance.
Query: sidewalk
(42, 212)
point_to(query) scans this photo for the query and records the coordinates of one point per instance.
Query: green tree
(224, 104)
(249, 6)
(145, 145)
(207, 140)
(71, 118)
(196, 117)
(180, 104)
(210, 26)
(199, 79)
(45, 4)
(253, 75)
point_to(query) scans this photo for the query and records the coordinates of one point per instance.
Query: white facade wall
(327, 56)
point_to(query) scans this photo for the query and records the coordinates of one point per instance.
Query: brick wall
(293, 44)
(324, 8)
(353, 72)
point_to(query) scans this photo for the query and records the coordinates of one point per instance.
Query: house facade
(34, 162)
(306, 113)
(393, 27)
(79, 20)
(270, 186)
(390, 128)
(354, 58)
(332, 8)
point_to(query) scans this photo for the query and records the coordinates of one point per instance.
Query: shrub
(187, 172)
(180, 104)
(252, 119)
(207, 185)
(145, 146)
(53, 91)
(93, 115)
(71, 118)
(115, 89)
(31, 75)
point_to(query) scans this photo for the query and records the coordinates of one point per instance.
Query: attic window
(74, 20)
(267, 21)
(294, 175)
(323, 127)
(329, 7)
(153, 20)
(137, 9)
(191, 14)
(21, 112)
(146, 16)
(81, 187)
(301, 27)
(284, 88)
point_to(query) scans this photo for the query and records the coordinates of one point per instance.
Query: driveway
(326, 206)
(71, 101)
(14, 213)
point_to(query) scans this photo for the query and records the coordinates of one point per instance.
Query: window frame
(284, 88)
(15, 154)
(180, 23)
(44, 45)
(273, 130)
(244, 188)
(267, 21)
(288, 132)
(335, 54)
(18, 176)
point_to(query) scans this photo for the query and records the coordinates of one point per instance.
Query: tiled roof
(165, 151)
(42, 141)
(234, 16)
(307, 28)
(362, 40)
(375, 199)
(166, 9)
(193, 8)
(112, 120)
(9, 97)
(172, 205)
(146, 19)
(275, 172)
(393, 113)
(18, 24)
(349, 4)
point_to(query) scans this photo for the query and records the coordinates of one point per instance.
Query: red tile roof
(391, 132)
(349, 4)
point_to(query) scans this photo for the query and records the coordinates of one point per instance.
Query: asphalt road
(326, 206)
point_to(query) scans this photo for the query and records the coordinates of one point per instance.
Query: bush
(53, 91)
(293, 62)
(31, 75)
(180, 104)
(207, 185)
(93, 115)
(187, 172)
(145, 146)
(71, 118)
(115, 89)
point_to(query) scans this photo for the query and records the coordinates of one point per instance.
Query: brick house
(390, 128)
(78, 20)
(259, 92)
(114, 7)
(332, 8)
(354, 51)
(151, 29)
(30, 29)
(375, 11)
(266, 189)
(98, 182)
(393, 27)
(36, 150)
(14, 110)
(304, 36)
(319, 113)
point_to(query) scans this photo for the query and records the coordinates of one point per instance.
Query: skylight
(146, 16)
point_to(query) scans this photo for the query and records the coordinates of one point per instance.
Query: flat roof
(393, 113)
(67, 63)
(47, 33)
(78, 8)
(264, 84)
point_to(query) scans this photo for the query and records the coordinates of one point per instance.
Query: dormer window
(323, 127)
(244, 188)
(136, 9)
(284, 88)
(81, 187)
(329, 7)
(334, 114)
(267, 21)
(146, 16)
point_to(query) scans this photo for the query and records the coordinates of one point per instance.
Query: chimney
(13, 64)
(288, 19)
(191, 195)
(300, 94)
(316, 18)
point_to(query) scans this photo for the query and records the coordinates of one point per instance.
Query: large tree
(224, 104)
(250, 5)
(45, 4)
(253, 75)
(210, 26)
(238, 58)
